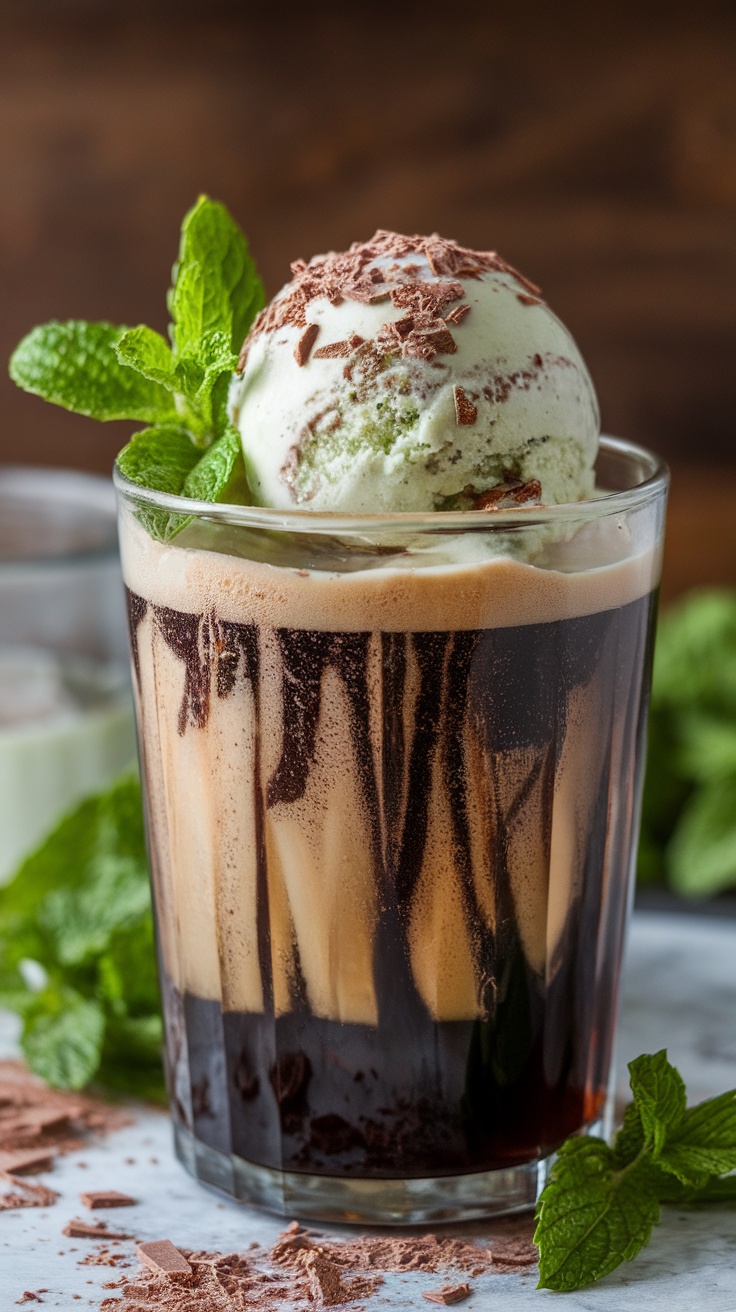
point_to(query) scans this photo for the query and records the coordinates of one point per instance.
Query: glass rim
(654, 484)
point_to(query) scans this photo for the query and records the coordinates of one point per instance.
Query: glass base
(364, 1202)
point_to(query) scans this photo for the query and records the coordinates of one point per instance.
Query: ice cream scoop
(412, 374)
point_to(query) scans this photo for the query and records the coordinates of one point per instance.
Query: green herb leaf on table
(688, 836)
(74, 365)
(62, 1038)
(601, 1202)
(80, 907)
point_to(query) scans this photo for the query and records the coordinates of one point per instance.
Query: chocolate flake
(77, 1229)
(161, 1257)
(30, 1195)
(465, 411)
(339, 350)
(305, 343)
(325, 1284)
(106, 1198)
(447, 1294)
(457, 314)
(512, 492)
(29, 1159)
(349, 276)
(528, 300)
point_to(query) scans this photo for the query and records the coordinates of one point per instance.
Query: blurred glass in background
(66, 723)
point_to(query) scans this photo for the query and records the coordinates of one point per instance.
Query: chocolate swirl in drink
(381, 855)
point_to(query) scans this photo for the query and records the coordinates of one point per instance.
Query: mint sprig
(601, 1202)
(78, 912)
(178, 388)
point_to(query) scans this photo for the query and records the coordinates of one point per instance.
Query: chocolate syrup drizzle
(510, 688)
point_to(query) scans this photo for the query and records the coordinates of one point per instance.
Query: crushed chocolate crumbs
(36, 1125)
(465, 411)
(305, 343)
(306, 1271)
(447, 1294)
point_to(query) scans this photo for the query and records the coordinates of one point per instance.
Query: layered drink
(391, 813)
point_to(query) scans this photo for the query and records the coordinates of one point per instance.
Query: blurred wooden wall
(593, 145)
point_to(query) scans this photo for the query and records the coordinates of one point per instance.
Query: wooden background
(593, 145)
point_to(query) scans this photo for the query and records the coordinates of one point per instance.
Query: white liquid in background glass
(66, 718)
(66, 729)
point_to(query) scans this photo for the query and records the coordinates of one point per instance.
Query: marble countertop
(679, 993)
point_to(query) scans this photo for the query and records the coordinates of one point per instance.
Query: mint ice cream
(411, 374)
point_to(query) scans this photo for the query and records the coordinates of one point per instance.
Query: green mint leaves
(601, 1202)
(688, 834)
(77, 957)
(179, 389)
(74, 365)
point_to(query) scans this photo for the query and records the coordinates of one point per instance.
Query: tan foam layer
(483, 593)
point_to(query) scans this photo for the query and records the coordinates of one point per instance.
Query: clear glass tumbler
(392, 772)
(66, 710)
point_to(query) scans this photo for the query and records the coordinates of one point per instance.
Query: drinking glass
(392, 771)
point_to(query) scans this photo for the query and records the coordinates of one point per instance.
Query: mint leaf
(215, 284)
(160, 458)
(217, 470)
(81, 922)
(630, 1139)
(62, 1039)
(702, 851)
(166, 459)
(146, 351)
(659, 1096)
(74, 365)
(80, 906)
(591, 1216)
(705, 1143)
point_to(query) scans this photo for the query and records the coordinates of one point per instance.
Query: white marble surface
(680, 993)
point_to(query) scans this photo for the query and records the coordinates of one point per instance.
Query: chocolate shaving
(338, 350)
(161, 1257)
(77, 1229)
(465, 411)
(30, 1195)
(457, 314)
(348, 275)
(511, 492)
(305, 343)
(106, 1198)
(325, 1284)
(29, 1159)
(447, 1294)
(528, 300)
